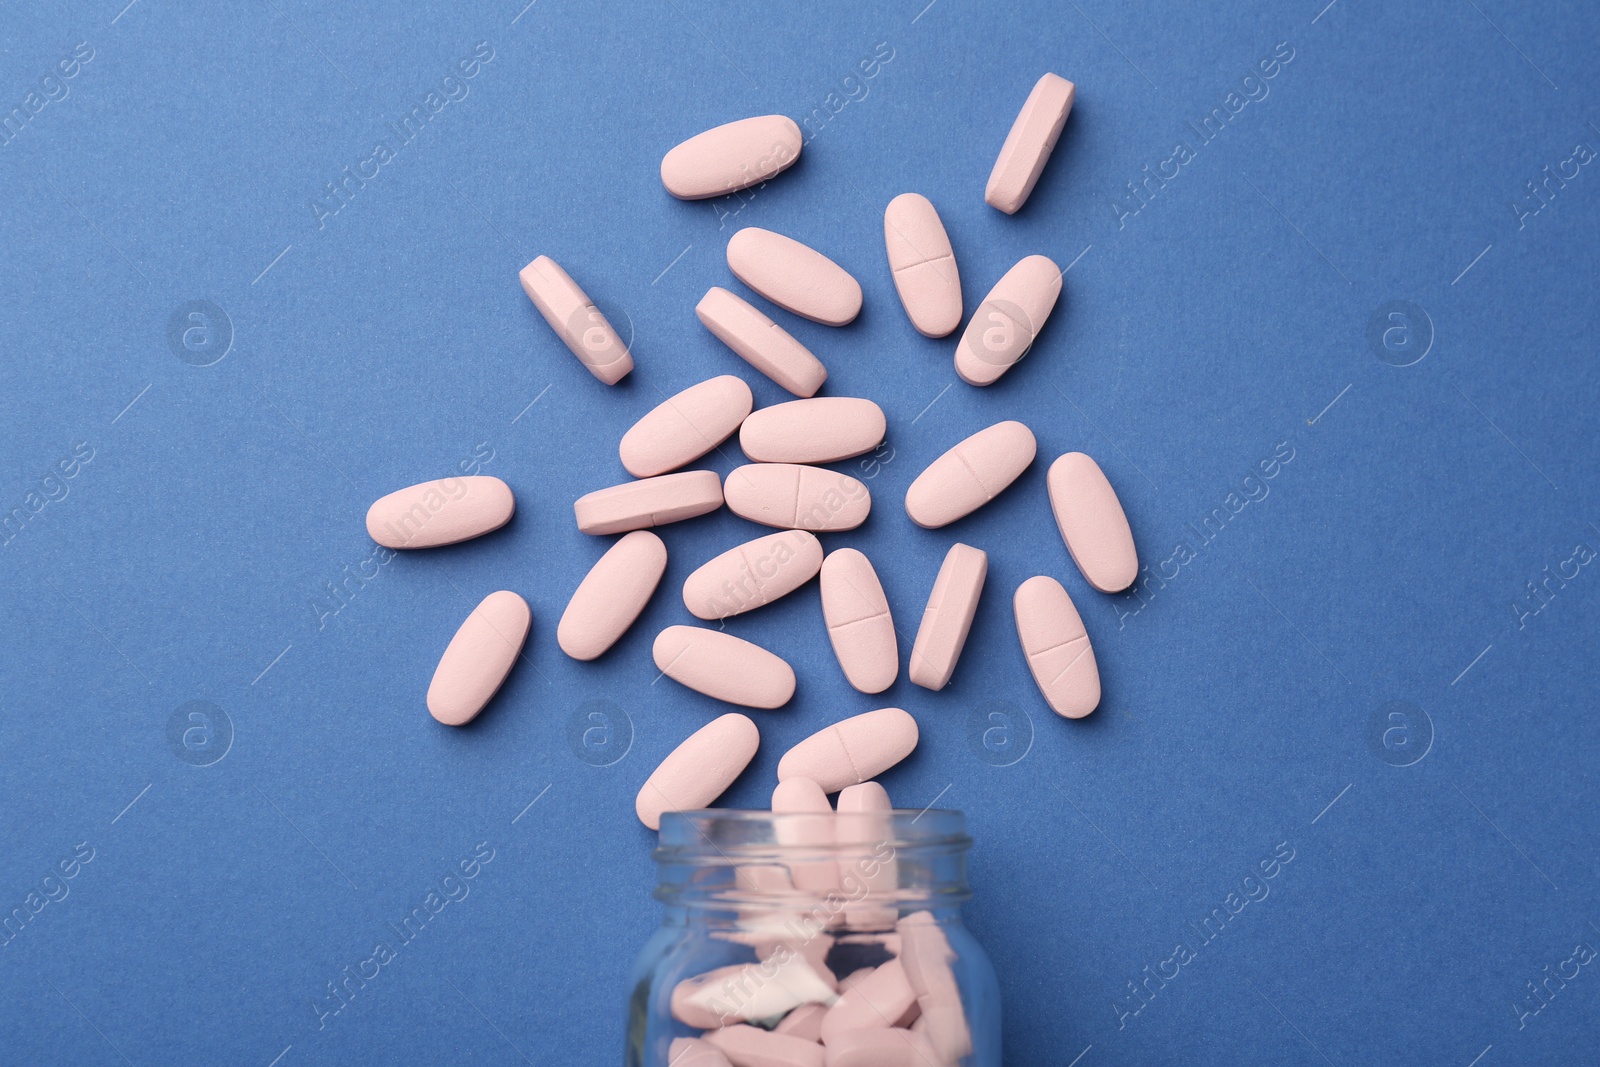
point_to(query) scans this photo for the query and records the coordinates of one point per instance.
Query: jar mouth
(741, 834)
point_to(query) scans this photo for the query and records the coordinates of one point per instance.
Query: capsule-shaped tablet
(692, 1052)
(685, 426)
(873, 1003)
(926, 955)
(859, 624)
(648, 502)
(970, 475)
(796, 497)
(882, 1047)
(804, 1022)
(805, 798)
(442, 512)
(700, 769)
(478, 658)
(864, 821)
(948, 616)
(723, 666)
(760, 342)
(853, 750)
(1092, 523)
(730, 157)
(751, 1046)
(1028, 146)
(612, 595)
(575, 319)
(823, 429)
(1057, 647)
(794, 276)
(923, 264)
(1009, 319)
(753, 574)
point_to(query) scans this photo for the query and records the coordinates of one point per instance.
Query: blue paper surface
(232, 322)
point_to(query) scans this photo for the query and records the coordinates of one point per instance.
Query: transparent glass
(765, 913)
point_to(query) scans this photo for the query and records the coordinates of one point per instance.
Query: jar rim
(711, 833)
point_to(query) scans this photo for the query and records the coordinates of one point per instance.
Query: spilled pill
(1092, 523)
(794, 276)
(685, 426)
(723, 666)
(923, 264)
(442, 512)
(478, 658)
(1028, 146)
(859, 624)
(753, 574)
(822, 429)
(970, 475)
(759, 341)
(700, 769)
(648, 502)
(1009, 319)
(796, 497)
(751, 1046)
(1057, 647)
(730, 157)
(575, 319)
(948, 616)
(612, 595)
(853, 750)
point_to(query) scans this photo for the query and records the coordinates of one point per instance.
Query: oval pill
(853, 750)
(794, 276)
(926, 955)
(700, 769)
(796, 497)
(751, 1046)
(859, 624)
(970, 475)
(575, 319)
(804, 797)
(612, 595)
(948, 616)
(1009, 319)
(864, 820)
(872, 1003)
(1028, 146)
(1057, 647)
(685, 426)
(760, 342)
(923, 264)
(1092, 523)
(723, 666)
(692, 1052)
(823, 429)
(478, 658)
(753, 574)
(441, 512)
(804, 1022)
(730, 157)
(882, 1047)
(648, 502)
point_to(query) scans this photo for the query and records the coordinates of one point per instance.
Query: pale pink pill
(1009, 319)
(849, 981)
(823, 429)
(730, 157)
(723, 666)
(805, 1022)
(747, 991)
(859, 624)
(795, 496)
(700, 769)
(923, 264)
(442, 512)
(753, 574)
(865, 829)
(875, 1002)
(478, 658)
(692, 1052)
(804, 797)
(1028, 146)
(1092, 523)
(612, 595)
(575, 319)
(794, 276)
(948, 616)
(751, 1046)
(648, 502)
(685, 426)
(970, 475)
(926, 954)
(1057, 647)
(760, 342)
(882, 1048)
(853, 750)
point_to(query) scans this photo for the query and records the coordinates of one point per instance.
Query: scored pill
(1028, 146)
(753, 574)
(723, 666)
(1057, 647)
(794, 276)
(860, 627)
(760, 342)
(730, 157)
(822, 429)
(948, 616)
(575, 319)
(1008, 321)
(796, 497)
(853, 750)
(612, 595)
(923, 264)
(442, 512)
(685, 426)
(648, 502)
(700, 769)
(478, 658)
(971, 474)
(1092, 522)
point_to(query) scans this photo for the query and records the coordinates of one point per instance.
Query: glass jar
(766, 914)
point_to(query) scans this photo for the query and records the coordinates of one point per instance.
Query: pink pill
(648, 502)
(852, 750)
(575, 319)
(970, 475)
(875, 1002)
(751, 1046)
(805, 1022)
(747, 991)
(1028, 146)
(692, 1052)
(802, 796)
(1057, 647)
(1092, 523)
(948, 616)
(882, 1048)
(1009, 319)
(478, 658)
(760, 342)
(865, 830)
(442, 512)
(612, 595)
(859, 624)
(685, 426)
(926, 955)
(795, 496)
(723, 666)
(730, 157)
(824, 429)
(794, 276)
(700, 769)
(753, 574)
(923, 264)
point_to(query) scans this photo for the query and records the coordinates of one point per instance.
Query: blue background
(1247, 699)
